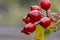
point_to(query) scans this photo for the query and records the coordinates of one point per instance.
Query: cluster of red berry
(34, 16)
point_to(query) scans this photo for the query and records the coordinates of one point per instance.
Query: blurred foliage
(55, 5)
(51, 27)
(58, 25)
(14, 10)
(28, 2)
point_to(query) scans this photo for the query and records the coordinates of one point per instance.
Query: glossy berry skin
(25, 32)
(35, 15)
(35, 7)
(45, 22)
(27, 20)
(30, 27)
(45, 4)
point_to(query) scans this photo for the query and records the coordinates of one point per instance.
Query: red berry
(27, 20)
(45, 22)
(25, 32)
(35, 7)
(30, 27)
(35, 15)
(45, 4)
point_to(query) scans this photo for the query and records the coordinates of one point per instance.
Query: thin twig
(47, 13)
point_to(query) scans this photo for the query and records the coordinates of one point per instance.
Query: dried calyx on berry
(28, 15)
(25, 31)
(27, 19)
(45, 22)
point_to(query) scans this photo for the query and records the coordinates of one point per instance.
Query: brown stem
(47, 13)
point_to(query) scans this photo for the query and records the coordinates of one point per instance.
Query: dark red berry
(35, 7)
(30, 27)
(27, 20)
(45, 4)
(35, 15)
(25, 32)
(45, 22)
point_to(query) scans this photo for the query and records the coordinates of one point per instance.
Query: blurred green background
(13, 11)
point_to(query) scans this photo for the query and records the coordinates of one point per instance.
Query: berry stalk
(47, 13)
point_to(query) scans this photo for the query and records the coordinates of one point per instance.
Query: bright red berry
(27, 20)
(45, 4)
(45, 22)
(30, 27)
(35, 15)
(25, 32)
(35, 7)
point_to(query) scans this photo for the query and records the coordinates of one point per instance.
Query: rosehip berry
(45, 22)
(25, 32)
(35, 7)
(30, 27)
(45, 4)
(27, 20)
(35, 15)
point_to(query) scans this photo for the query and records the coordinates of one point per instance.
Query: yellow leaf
(52, 28)
(39, 32)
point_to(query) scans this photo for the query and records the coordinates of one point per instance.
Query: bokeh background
(11, 15)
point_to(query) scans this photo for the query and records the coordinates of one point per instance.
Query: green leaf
(47, 32)
(58, 25)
